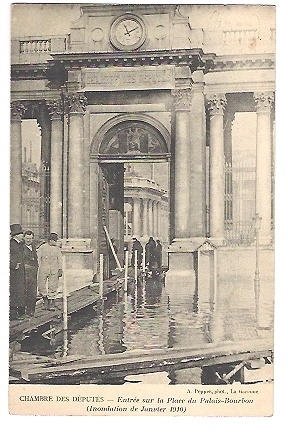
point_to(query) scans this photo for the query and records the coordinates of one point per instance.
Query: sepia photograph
(142, 209)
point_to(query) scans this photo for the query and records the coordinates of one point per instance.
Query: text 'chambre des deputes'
(153, 404)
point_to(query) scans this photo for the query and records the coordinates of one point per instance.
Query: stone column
(181, 250)
(159, 220)
(182, 163)
(155, 219)
(198, 158)
(56, 111)
(263, 102)
(40, 111)
(145, 217)
(136, 218)
(150, 219)
(216, 104)
(17, 112)
(76, 105)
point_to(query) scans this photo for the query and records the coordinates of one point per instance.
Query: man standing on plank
(50, 268)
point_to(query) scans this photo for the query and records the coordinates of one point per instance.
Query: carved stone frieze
(75, 103)
(182, 99)
(216, 103)
(264, 101)
(55, 109)
(17, 110)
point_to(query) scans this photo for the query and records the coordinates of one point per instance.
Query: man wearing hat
(31, 268)
(17, 273)
(136, 245)
(50, 268)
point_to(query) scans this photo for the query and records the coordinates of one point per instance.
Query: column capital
(182, 99)
(55, 109)
(17, 110)
(75, 103)
(216, 103)
(263, 101)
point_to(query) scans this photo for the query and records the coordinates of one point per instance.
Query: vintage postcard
(142, 209)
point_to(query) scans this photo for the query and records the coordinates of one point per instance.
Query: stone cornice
(194, 58)
(244, 62)
(239, 87)
(29, 71)
(27, 95)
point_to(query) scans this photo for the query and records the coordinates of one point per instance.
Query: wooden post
(126, 271)
(64, 295)
(65, 344)
(215, 276)
(112, 248)
(198, 268)
(135, 267)
(144, 258)
(101, 276)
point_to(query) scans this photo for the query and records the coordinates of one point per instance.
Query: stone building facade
(138, 82)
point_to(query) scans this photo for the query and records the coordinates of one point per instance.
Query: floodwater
(152, 316)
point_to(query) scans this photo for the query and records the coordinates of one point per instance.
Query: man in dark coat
(31, 268)
(150, 251)
(137, 246)
(17, 273)
(158, 254)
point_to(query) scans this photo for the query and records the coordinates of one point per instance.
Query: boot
(45, 302)
(51, 305)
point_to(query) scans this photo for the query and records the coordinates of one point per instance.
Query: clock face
(127, 32)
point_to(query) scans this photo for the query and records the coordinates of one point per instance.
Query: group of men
(30, 269)
(153, 253)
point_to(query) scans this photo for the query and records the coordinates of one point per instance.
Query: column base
(181, 273)
(79, 263)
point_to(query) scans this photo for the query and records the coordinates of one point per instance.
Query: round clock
(127, 32)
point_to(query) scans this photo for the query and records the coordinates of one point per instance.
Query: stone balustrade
(24, 49)
(143, 182)
(36, 49)
(235, 37)
(35, 46)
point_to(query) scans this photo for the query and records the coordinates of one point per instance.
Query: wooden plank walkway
(77, 300)
(117, 366)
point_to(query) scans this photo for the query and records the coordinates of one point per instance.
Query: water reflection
(150, 316)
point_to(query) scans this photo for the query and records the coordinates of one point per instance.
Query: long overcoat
(31, 269)
(17, 276)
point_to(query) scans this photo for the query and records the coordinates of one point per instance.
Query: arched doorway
(123, 141)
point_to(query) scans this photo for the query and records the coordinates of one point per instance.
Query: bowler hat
(53, 236)
(16, 229)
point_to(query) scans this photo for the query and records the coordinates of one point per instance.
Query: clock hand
(130, 31)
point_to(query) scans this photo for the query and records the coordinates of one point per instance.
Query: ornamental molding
(216, 103)
(247, 62)
(182, 99)
(17, 110)
(263, 101)
(75, 103)
(118, 120)
(193, 57)
(55, 109)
